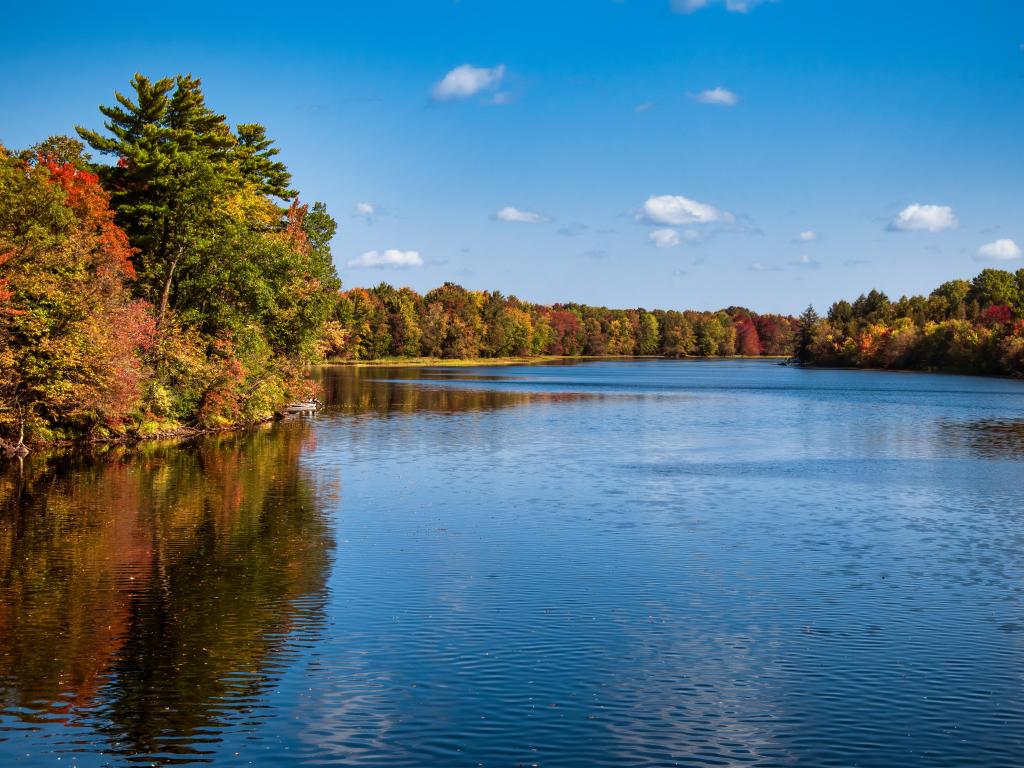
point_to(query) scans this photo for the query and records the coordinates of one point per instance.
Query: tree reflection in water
(984, 438)
(151, 594)
(384, 391)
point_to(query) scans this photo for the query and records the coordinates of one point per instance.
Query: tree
(954, 294)
(747, 341)
(677, 337)
(809, 322)
(648, 338)
(872, 308)
(995, 286)
(173, 168)
(254, 154)
(59, 149)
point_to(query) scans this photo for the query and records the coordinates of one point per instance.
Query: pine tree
(173, 164)
(809, 322)
(255, 155)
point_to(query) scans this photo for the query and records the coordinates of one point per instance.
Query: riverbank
(419, 362)
(134, 438)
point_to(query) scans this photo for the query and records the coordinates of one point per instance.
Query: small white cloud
(742, 6)
(734, 6)
(676, 209)
(366, 210)
(509, 213)
(806, 262)
(718, 96)
(999, 250)
(924, 218)
(391, 258)
(664, 238)
(647, 106)
(760, 266)
(466, 81)
(808, 236)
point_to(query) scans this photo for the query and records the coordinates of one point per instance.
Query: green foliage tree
(995, 286)
(254, 155)
(809, 326)
(173, 168)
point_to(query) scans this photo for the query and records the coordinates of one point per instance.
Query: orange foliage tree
(70, 333)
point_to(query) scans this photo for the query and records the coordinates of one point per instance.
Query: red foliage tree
(748, 342)
(997, 314)
(567, 330)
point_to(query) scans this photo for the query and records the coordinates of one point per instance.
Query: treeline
(453, 322)
(974, 326)
(180, 282)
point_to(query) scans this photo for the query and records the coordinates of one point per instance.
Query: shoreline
(178, 434)
(442, 362)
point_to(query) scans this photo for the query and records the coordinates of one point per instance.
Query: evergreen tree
(173, 167)
(255, 155)
(809, 322)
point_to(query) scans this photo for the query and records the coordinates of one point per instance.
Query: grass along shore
(420, 362)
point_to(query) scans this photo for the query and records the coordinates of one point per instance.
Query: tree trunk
(166, 296)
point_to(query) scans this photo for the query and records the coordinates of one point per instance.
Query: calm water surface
(611, 563)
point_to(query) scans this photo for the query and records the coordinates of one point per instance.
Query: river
(608, 563)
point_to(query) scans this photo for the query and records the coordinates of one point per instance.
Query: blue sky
(656, 153)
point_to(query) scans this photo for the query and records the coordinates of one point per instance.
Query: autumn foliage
(963, 326)
(453, 322)
(71, 335)
(179, 283)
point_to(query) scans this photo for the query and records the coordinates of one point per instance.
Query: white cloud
(760, 266)
(924, 218)
(509, 213)
(390, 258)
(647, 106)
(1000, 250)
(676, 209)
(466, 80)
(664, 238)
(735, 6)
(806, 262)
(366, 210)
(742, 6)
(718, 96)
(808, 236)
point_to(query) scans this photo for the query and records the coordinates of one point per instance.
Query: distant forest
(453, 322)
(965, 326)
